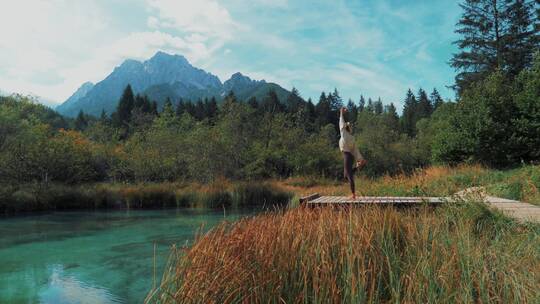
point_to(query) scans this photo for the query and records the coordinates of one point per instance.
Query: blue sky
(377, 48)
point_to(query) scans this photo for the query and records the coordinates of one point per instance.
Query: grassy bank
(456, 254)
(36, 197)
(521, 184)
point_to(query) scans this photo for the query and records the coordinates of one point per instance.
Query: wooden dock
(317, 200)
(520, 211)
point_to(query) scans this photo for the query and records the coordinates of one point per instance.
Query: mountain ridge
(160, 77)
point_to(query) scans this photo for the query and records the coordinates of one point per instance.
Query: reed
(519, 184)
(455, 254)
(223, 194)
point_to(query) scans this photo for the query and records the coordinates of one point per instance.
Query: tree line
(494, 121)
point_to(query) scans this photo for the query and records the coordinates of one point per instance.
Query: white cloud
(38, 38)
(152, 22)
(202, 16)
(271, 3)
(49, 48)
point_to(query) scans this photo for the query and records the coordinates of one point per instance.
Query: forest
(494, 121)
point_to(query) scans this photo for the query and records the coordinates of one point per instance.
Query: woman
(350, 151)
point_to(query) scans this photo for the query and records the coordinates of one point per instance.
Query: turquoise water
(92, 257)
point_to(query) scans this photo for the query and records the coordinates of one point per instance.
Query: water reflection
(62, 289)
(92, 257)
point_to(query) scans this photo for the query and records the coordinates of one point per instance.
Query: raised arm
(341, 119)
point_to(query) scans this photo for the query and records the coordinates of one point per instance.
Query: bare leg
(348, 171)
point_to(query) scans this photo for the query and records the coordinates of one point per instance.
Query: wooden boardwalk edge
(523, 212)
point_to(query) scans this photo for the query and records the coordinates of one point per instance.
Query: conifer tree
(125, 106)
(361, 104)
(391, 117)
(154, 108)
(271, 103)
(324, 110)
(253, 102)
(370, 107)
(424, 107)
(352, 108)
(522, 38)
(200, 112)
(168, 106)
(294, 101)
(81, 122)
(435, 99)
(103, 117)
(180, 108)
(495, 34)
(211, 108)
(408, 121)
(311, 111)
(378, 107)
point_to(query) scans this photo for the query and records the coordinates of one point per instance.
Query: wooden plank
(516, 209)
(308, 198)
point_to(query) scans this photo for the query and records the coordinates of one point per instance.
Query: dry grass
(519, 184)
(453, 255)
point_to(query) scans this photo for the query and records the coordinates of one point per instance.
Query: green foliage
(386, 149)
(496, 122)
(494, 35)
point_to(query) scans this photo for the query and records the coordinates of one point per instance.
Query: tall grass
(456, 254)
(519, 184)
(39, 197)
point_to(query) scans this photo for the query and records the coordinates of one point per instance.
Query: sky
(377, 48)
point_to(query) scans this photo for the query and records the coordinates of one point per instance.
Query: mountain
(71, 101)
(160, 77)
(244, 88)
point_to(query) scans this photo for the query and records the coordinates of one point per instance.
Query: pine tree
(391, 117)
(103, 117)
(522, 38)
(81, 122)
(229, 99)
(353, 111)
(370, 107)
(336, 102)
(361, 104)
(323, 110)
(408, 118)
(271, 103)
(253, 102)
(435, 99)
(424, 107)
(495, 34)
(125, 106)
(311, 111)
(190, 107)
(180, 108)
(294, 101)
(378, 107)
(211, 108)
(200, 112)
(154, 108)
(168, 107)
(146, 105)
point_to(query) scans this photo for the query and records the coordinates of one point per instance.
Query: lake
(93, 256)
